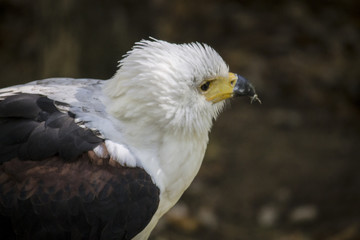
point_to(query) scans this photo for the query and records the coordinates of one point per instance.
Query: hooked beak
(244, 88)
(221, 88)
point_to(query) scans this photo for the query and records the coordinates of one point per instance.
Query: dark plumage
(51, 200)
(46, 194)
(32, 128)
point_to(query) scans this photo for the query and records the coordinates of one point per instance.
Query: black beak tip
(244, 88)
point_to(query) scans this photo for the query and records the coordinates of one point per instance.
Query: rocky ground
(286, 169)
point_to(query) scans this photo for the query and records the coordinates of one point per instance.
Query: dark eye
(205, 86)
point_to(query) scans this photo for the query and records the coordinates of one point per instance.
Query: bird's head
(181, 87)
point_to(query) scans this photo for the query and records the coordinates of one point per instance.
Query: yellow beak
(221, 88)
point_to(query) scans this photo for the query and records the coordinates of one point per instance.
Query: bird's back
(52, 183)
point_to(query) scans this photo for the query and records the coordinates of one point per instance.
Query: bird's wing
(52, 183)
(32, 128)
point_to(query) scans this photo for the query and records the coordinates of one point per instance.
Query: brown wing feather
(86, 199)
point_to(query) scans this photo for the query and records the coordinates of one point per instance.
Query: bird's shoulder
(59, 172)
(33, 127)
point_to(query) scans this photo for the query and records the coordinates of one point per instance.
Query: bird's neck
(170, 151)
(172, 159)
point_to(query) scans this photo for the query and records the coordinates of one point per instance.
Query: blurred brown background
(286, 169)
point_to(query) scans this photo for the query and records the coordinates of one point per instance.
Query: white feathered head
(179, 87)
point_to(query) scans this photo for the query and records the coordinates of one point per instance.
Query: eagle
(105, 159)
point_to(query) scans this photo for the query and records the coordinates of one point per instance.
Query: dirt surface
(285, 169)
